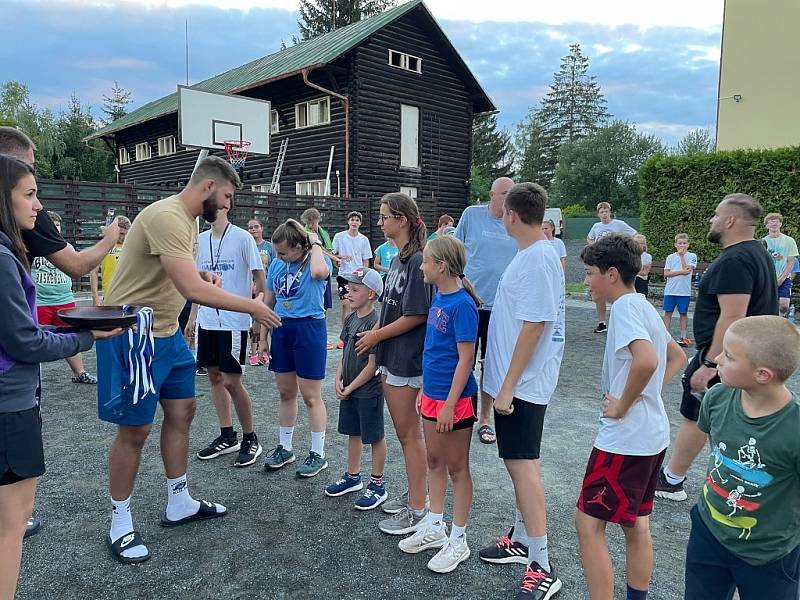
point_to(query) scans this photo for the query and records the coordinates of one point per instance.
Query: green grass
(576, 288)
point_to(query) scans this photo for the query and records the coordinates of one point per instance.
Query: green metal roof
(317, 51)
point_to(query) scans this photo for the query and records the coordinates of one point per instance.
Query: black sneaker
(601, 328)
(538, 584)
(249, 451)
(505, 551)
(665, 489)
(33, 526)
(201, 371)
(219, 446)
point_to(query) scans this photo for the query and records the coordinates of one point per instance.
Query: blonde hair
(449, 251)
(681, 236)
(771, 216)
(293, 233)
(603, 205)
(770, 342)
(640, 238)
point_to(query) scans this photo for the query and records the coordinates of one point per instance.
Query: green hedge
(680, 193)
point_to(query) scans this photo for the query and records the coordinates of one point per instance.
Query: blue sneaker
(374, 496)
(344, 485)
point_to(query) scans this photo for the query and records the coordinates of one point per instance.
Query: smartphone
(109, 217)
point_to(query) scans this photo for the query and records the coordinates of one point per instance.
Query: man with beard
(739, 283)
(157, 269)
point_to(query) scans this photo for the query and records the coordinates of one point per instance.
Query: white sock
(435, 519)
(520, 534)
(671, 478)
(122, 524)
(318, 442)
(456, 531)
(537, 552)
(179, 503)
(287, 433)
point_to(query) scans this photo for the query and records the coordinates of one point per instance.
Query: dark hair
(11, 171)
(618, 250)
(293, 233)
(403, 206)
(213, 167)
(14, 142)
(257, 220)
(747, 207)
(355, 213)
(528, 200)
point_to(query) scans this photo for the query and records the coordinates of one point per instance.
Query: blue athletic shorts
(173, 377)
(299, 346)
(679, 302)
(785, 289)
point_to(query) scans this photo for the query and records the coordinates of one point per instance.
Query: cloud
(108, 63)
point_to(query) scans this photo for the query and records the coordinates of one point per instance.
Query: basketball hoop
(237, 151)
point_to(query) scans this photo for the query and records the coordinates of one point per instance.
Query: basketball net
(237, 151)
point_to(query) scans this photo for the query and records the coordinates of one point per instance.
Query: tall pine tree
(321, 16)
(116, 105)
(491, 149)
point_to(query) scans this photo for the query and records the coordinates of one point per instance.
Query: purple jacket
(23, 344)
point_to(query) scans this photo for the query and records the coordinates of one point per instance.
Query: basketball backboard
(208, 119)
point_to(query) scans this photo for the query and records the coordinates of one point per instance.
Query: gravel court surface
(283, 538)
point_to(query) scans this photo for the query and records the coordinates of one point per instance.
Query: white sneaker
(424, 538)
(454, 552)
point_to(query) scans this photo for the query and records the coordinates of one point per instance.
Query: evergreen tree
(535, 158)
(92, 161)
(697, 141)
(115, 105)
(321, 16)
(491, 149)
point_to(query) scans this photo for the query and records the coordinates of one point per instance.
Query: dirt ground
(283, 538)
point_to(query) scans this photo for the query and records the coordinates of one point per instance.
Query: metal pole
(203, 154)
(328, 176)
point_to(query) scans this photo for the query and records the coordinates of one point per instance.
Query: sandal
(207, 510)
(486, 434)
(131, 540)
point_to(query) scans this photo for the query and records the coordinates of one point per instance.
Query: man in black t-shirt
(739, 283)
(45, 240)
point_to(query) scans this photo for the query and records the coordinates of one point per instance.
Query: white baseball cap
(367, 277)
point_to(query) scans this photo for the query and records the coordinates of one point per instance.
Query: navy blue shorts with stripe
(299, 345)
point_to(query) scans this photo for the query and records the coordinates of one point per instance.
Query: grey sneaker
(453, 553)
(312, 465)
(395, 505)
(278, 458)
(403, 523)
(85, 377)
(424, 538)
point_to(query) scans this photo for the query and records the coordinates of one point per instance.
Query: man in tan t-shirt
(157, 269)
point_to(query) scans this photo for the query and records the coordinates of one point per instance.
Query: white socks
(318, 442)
(671, 478)
(537, 552)
(435, 520)
(122, 524)
(519, 534)
(456, 531)
(179, 503)
(287, 433)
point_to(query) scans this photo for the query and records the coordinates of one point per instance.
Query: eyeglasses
(382, 218)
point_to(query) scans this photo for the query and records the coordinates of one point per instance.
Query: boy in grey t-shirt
(361, 394)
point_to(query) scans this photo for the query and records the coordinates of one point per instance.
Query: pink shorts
(464, 415)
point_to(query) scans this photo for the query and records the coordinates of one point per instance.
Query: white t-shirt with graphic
(680, 285)
(600, 229)
(357, 248)
(234, 256)
(531, 289)
(644, 430)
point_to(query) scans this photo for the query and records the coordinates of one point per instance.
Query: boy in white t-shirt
(621, 475)
(353, 249)
(678, 270)
(523, 358)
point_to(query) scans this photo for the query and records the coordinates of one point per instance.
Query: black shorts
(483, 333)
(362, 418)
(183, 318)
(690, 404)
(226, 350)
(342, 284)
(519, 435)
(642, 286)
(327, 299)
(21, 451)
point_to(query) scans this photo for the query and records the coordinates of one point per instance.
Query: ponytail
(470, 289)
(402, 205)
(451, 252)
(292, 233)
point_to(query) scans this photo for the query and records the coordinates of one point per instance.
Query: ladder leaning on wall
(274, 186)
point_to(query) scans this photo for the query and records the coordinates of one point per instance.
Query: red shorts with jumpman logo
(619, 488)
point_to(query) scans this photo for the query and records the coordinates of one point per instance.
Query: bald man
(489, 251)
(739, 283)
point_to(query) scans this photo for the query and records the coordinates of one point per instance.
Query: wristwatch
(316, 243)
(709, 364)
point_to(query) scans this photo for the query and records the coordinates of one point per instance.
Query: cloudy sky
(657, 63)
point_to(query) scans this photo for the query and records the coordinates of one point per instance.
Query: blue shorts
(173, 377)
(679, 302)
(299, 346)
(785, 289)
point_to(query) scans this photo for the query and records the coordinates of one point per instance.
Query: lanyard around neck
(215, 263)
(291, 278)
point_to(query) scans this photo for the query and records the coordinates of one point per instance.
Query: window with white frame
(274, 123)
(404, 61)
(411, 192)
(124, 157)
(166, 145)
(312, 113)
(313, 187)
(143, 151)
(409, 136)
(264, 188)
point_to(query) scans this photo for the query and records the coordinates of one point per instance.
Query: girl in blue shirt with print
(295, 290)
(447, 400)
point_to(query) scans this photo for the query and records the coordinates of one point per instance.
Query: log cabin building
(390, 93)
